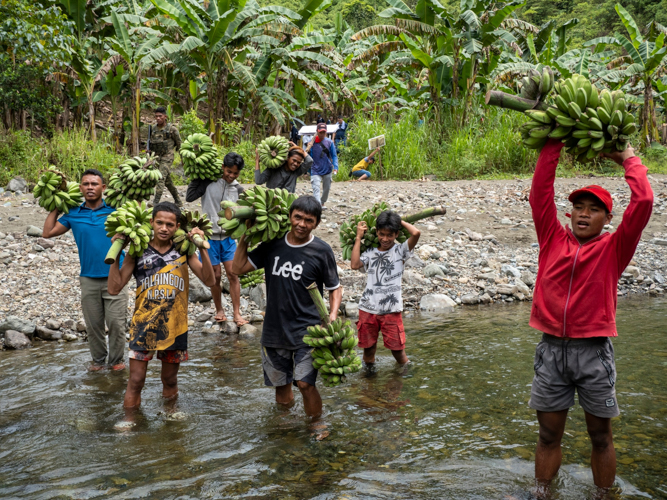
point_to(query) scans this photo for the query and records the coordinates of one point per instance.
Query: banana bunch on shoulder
(537, 86)
(189, 221)
(135, 179)
(253, 278)
(334, 354)
(348, 230)
(54, 192)
(200, 158)
(260, 214)
(273, 151)
(132, 219)
(587, 121)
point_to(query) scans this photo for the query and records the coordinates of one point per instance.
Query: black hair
(308, 205)
(389, 220)
(161, 109)
(293, 152)
(167, 206)
(234, 160)
(93, 171)
(371, 160)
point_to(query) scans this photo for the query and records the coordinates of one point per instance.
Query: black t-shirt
(289, 270)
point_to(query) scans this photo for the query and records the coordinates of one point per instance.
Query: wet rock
(17, 184)
(53, 324)
(210, 329)
(198, 291)
(528, 278)
(352, 310)
(248, 330)
(485, 299)
(258, 296)
(424, 252)
(203, 317)
(229, 327)
(433, 270)
(257, 318)
(17, 324)
(33, 231)
(510, 271)
(437, 303)
(70, 336)
(47, 333)
(80, 326)
(16, 340)
(470, 299)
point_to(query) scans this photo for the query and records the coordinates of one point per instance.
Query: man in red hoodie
(574, 304)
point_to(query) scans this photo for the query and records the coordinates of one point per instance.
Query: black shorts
(287, 366)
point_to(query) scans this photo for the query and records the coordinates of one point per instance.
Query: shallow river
(455, 426)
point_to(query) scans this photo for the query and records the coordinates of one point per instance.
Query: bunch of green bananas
(536, 86)
(587, 122)
(200, 158)
(334, 355)
(252, 278)
(189, 221)
(261, 215)
(273, 151)
(131, 219)
(135, 179)
(54, 192)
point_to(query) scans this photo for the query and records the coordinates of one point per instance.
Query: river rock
(424, 252)
(659, 241)
(485, 299)
(658, 278)
(470, 299)
(248, 330)
(17, 184)
(258, 296)
(69, 323)
(45, 333)
(17, 324)
(80, 326)
(522, 287)
(503, 289)
(414, 261)
(433, 270)
(16, 340)
(257, 318)
(198, 291)
(352, 310)
(70, 336)
(436, 302)
(53, 324)
(33, 231)
(633, 270)
(510, 271)
(203, 317)
(473, 236)
(45, 243)
(528, 278)
(413, 278)
(229, 327)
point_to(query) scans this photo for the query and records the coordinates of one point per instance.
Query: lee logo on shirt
(287, 269)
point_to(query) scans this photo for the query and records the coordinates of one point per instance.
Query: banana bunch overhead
(135, 179)
(253, 278)
(334, 355)
(54, 192)
(273, 151)
(132, 219)
(587, 122)
(200, 158)
(536, 86)
(348, 230)
(261, 215)
(189, 221)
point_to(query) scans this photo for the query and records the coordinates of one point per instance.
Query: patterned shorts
(173, 356)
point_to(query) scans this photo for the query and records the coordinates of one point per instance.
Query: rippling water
(456, 425)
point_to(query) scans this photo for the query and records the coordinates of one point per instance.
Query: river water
(456, 425)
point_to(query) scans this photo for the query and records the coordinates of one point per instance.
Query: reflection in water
(455, 425)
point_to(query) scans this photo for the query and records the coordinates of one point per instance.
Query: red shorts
(391, 326)
(171, 356)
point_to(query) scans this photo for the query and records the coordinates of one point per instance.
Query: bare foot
(240, 320)
(220, 317)
(95, 368)
(320, 431)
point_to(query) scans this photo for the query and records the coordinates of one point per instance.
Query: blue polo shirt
(87, 225)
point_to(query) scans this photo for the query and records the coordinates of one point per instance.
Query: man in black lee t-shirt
(292, 263)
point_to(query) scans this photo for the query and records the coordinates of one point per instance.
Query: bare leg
(369, 354)
(170, 380)
(548, 455)
(134, 386)
(603, 455)
(312, 401)
(400, 357)
(235, 292)
(362, 177)
(285, 396)
(216, 292)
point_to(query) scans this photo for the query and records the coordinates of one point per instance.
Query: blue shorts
(221, 251)
(359, 173)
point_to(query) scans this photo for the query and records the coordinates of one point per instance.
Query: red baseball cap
(598, 191)
(321, 126)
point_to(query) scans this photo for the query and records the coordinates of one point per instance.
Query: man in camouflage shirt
(164, 138)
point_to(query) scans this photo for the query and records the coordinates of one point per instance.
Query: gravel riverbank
(482, 251)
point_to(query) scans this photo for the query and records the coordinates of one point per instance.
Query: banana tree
(644, 63)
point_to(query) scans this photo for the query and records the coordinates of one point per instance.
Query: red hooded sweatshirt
(576, 285)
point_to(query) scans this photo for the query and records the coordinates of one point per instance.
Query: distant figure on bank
(294, 132)
(574, 305)
(98, 305)
(163, 140)
(285, 176)
(321, 120)
(223, 247)
(160, 321)
(381, 304)
(360, 170)
(325, 163)
(341, 134)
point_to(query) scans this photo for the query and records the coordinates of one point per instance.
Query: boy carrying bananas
(160, 320)
(381, 303)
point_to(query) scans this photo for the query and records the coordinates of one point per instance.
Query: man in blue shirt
(325, 161)
(341, 134)
(87, 225)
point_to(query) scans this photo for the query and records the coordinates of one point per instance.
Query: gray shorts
(585, 365)
(287, 366)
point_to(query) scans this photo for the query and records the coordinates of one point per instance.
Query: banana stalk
(200, 242)
(239, 212)
(428, 212)
(514, 102)
(114, 251)
(319, 303)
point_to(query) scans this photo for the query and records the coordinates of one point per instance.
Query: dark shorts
(391, 326)
(221, 251)
(173, 356)
(288, 366)
(585, 365)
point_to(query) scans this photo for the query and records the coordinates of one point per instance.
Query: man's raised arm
(542, 204)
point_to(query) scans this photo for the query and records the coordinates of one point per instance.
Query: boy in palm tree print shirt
(381, 303)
